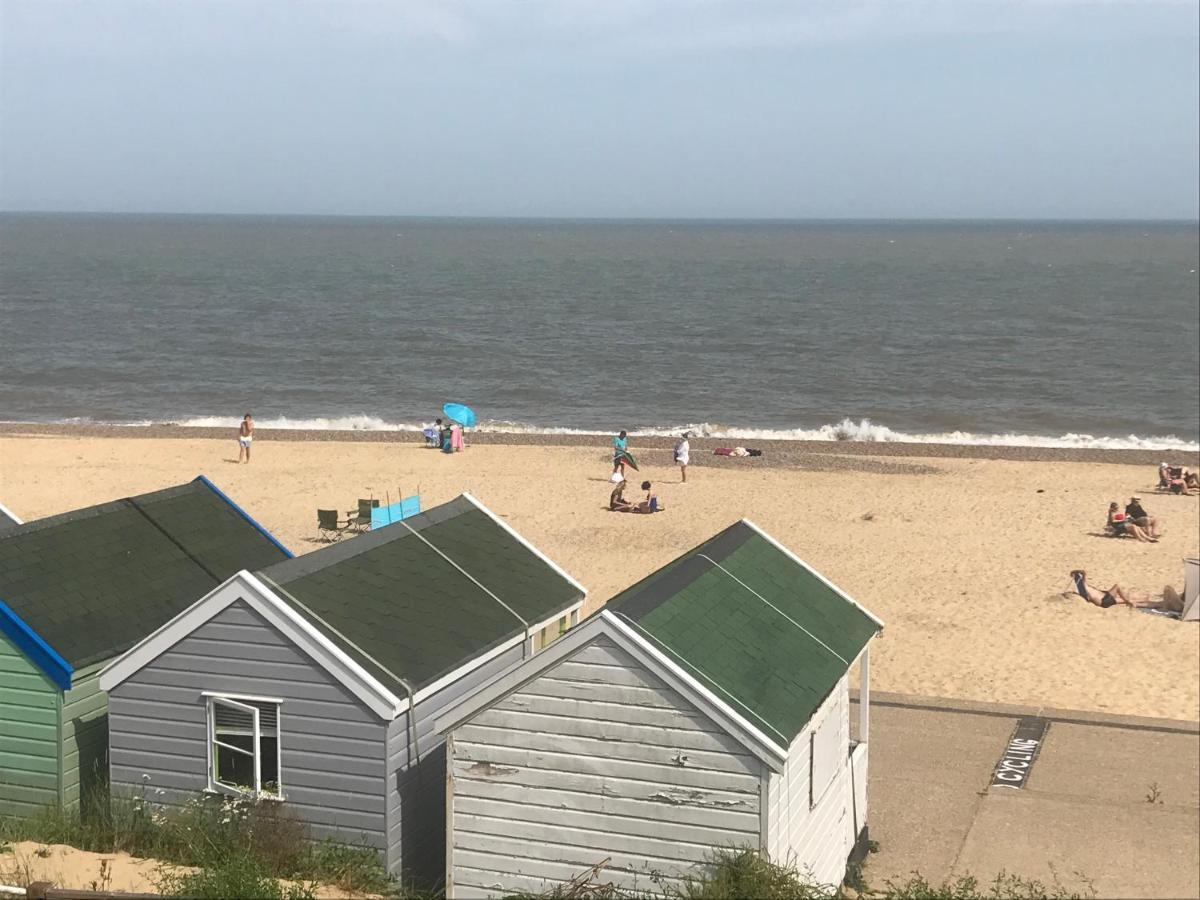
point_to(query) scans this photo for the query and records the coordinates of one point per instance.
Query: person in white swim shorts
(245, 437)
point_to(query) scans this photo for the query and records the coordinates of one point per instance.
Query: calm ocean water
(1083, 334)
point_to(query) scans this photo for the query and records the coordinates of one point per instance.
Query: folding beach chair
(360, 521)
(329, 527)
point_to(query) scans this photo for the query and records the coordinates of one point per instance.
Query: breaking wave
(846, 430)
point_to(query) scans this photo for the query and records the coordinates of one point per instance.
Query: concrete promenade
(1113, 798)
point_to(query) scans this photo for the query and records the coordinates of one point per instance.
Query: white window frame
(242, 702)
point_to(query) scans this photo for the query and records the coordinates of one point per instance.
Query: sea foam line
(847, 430)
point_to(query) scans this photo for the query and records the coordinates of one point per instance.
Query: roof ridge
(300, 566)
(90, 512)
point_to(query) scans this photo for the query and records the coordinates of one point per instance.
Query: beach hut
(705, 707)
(314, 682)
(79, 589)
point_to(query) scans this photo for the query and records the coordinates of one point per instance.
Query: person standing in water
(682, 451)
(245, 437)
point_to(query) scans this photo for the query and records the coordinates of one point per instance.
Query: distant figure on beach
(245, 437)
(620, 445)
(1103, 599)
(1120, 525)
(617, 501)
(457, 442)
(1137, 514)
(682, 451)
(1177, 479)
(1171, 601)
(650, 504)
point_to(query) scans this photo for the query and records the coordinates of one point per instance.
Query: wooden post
(450, 816)
(864, 696)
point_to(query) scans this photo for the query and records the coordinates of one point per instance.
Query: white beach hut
(707, 706)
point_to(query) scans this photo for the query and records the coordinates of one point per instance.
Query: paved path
(1116, 799)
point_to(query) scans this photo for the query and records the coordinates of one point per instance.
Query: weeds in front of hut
(737, 873)
(241, 874)
(230, 837)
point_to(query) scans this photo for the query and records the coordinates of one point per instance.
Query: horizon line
(587, 218)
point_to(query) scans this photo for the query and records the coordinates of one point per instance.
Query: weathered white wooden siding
(416, 773)
(332, 746)
(84, 725)
(814, 838)
(596, 758)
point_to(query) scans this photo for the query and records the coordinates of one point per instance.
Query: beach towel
(723, 451)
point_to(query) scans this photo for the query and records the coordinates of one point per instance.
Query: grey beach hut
(314, 683)
(76, 591)
(705, 707)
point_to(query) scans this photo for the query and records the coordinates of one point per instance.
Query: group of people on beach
(622, 458)
(1177, 479)
(1134, 521)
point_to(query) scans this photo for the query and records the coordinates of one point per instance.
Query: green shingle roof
(398, 605)
(764, 632)
(95, 581)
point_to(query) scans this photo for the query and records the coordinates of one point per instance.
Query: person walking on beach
(682, 451)
(620, 445)
(245, 437)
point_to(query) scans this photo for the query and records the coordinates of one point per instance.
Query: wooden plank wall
(84, 735)
(814, 838)
(28, 734)
(595, 758)
(332, 745)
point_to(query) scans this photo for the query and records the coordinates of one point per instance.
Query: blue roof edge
(31, 644)
(245, 515)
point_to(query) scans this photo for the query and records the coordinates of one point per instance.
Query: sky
(1056, 109)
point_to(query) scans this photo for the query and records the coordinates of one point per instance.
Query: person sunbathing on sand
(1171, 600)
(1119, 525)
(1102, 599)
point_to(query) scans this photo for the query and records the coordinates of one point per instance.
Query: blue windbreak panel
(386, 515)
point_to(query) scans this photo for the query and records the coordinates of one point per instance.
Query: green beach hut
(78, 590)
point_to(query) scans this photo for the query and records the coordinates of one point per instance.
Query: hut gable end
(595, 756)
(331, 744)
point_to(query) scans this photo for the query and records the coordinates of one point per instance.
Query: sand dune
(966, 564)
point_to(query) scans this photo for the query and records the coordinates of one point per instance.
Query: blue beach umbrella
(463, 415)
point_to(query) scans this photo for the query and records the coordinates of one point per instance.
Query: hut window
(244, 746)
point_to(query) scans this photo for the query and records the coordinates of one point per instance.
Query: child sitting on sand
(650, 504)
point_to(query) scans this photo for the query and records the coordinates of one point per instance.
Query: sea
(1011, 333)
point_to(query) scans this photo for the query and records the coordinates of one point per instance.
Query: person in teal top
(620, 445)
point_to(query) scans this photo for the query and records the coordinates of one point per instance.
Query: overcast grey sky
(709, 108)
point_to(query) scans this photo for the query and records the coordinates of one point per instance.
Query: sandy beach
(964, 552)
